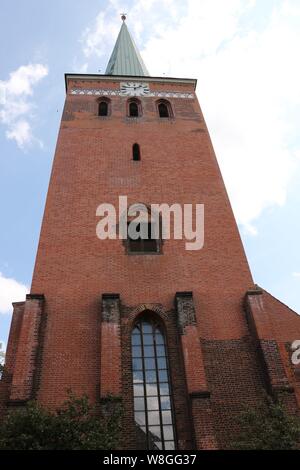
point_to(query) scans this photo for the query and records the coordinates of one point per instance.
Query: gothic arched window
(164, 109)
(153, 411)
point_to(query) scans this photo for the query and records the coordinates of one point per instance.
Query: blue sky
(245, 55)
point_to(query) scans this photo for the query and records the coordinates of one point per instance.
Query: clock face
(134, 89)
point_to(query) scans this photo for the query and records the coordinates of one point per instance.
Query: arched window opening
(153, 410)
(136, 153)
(164, 109)
(134, 109)
(103, 108)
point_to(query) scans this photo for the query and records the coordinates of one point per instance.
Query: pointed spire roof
(125, 58)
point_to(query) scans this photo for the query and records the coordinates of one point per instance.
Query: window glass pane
(138, 377)
(161, 362)
(164, 389)
(150, 376)
(149, 363)
(170, 445)
(140, 418)
(153, 418)
(148, 340)
(139, 404)
(136, 331)
(151, 389)
(162, 375)
(136, 339)
(166, 417)
(168, 433)
(157, 445)
(148, 351)
(137, 351)
(137, 364)
(147, 327)
(160, 350)
(165, 403)
(138, 390)
(152, 403)
(155, 432)
(159, 339)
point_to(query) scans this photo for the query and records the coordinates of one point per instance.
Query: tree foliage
(268, 427)
(74, 426)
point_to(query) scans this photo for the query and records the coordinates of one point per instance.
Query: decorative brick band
(158, 94)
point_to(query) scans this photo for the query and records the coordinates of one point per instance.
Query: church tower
(183, 337)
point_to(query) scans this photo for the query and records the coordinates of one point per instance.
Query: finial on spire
(123, 16)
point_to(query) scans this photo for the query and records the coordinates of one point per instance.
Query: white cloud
(20, 132)
(16, 109)
(99, 38)
(10, 291)
(297, 275)
(248, 82)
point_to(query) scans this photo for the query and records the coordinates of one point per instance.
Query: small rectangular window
(143, 244)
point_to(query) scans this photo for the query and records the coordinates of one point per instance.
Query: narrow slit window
(153, 410)
(136, 153)
(103, 108)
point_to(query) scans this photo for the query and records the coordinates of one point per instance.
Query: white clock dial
(134, 89)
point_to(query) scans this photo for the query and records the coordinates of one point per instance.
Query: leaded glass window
(153, 411)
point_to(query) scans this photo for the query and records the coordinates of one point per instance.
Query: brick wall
(235, 380)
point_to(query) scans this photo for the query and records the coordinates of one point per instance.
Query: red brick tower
(183, 337)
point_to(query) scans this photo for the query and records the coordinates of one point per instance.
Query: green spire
(125, 58)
